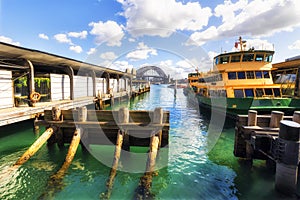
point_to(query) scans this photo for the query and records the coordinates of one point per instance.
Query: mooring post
(287, 154)
(57, 137)
(99, 101)
(252, 118)
(296, 116)
(82, 114)
(276, 117)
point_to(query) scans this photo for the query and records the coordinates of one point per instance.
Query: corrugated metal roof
(12, 52)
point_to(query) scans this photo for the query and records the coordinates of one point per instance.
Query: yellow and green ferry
(241, 81)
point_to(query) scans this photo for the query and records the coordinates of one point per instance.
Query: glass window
(249, 93)
(259, 92)
(231, 75)
(217, 60)
(266, 74)
(269, 91)
(258, 74)
(247, 57)
(276, 92)
(250, 75)
(235, 58)
(238, 93)
(268, 58)
(224, 59)
(241, 75)
(259, 57)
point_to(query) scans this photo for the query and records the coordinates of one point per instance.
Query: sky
(178, 36)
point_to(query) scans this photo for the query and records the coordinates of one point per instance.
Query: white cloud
(131, 40)
(142, 52)
(81, 35)
(43, 36)
(120, 65)
(185, 64)
(259, 44)
(76, 48)
(92, 51)
(107, 32)
(108, 55)
(257, 18)
(162, 18)
(62, 38)
(9, 41)
(295, 45)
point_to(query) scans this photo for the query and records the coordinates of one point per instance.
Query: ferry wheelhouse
(241, 81)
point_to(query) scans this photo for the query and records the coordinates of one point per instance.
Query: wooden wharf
(122, 128)
(32, 81)
(274, 138)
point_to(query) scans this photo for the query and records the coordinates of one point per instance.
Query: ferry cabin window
(258, 74)
(231, 75)
(249, 93)
(217, 60)
(268, 58)
(235, 58)
(269, 92)
(276, 92)
(224, 59)
(241, 75)
(259, 57)
(250, 75)
(248, 57)
(259, 92)
(266, 74)
(238, 93)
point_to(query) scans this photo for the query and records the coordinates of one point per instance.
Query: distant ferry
(240, 81)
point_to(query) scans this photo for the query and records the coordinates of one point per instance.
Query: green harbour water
(192, 171)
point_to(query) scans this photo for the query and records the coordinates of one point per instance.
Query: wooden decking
(17, 114)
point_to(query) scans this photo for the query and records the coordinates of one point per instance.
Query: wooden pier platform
(122, 128)
(274, 138)
(17, 114)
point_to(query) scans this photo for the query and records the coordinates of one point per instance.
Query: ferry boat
(240, 81)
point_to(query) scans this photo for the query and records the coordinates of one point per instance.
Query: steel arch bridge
(141, 73)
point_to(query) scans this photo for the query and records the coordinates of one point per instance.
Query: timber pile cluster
(274, 138)
(121, 128)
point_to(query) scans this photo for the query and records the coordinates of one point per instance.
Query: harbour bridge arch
(162, 77)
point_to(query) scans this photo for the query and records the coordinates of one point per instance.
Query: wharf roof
(288, 64)
(14, 56)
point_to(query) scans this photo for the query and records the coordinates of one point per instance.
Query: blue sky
(177, 36)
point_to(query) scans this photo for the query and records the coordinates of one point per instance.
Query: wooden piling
(113, 171)
(287, 157)
(158, 119)
(143, 190)
(70, 156)
(276, 117)
(123, 117)
(35, 146)
(252, 118)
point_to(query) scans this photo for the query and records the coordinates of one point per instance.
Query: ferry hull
(232, 107)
